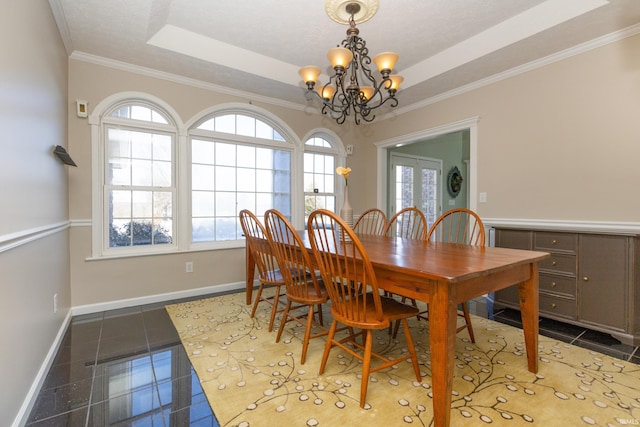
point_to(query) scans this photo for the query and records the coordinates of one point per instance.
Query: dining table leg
(250, 272)
(442, 339)
(529, 305)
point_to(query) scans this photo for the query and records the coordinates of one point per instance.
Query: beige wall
(34, 265)
(557, 143)
(100, 281)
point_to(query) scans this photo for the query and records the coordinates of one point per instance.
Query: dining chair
(266, 262)
(303, 288)
(462, 226)
(343, 261)
(409, 223)
(372, 221)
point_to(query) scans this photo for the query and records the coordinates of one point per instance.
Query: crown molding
(530, 66)
(175, 78)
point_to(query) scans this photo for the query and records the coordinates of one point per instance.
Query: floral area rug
(250, 380)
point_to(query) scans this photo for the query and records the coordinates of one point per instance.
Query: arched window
(238, 161)
(137, 178)
(321, 157)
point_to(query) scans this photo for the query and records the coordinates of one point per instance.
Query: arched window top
(317, 141)
(139, 111)
(240, 124)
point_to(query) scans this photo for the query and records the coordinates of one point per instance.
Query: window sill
(235, 244)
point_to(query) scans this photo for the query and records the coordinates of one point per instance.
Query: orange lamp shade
(385, 60)
(367, 91)
(309, 73)
(396, 79)
(339, 57)
(326, 92)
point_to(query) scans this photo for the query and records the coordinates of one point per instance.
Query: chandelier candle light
(353, 89)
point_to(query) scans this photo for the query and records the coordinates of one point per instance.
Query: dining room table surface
(444, 275)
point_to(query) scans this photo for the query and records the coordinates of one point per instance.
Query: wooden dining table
(444, 275)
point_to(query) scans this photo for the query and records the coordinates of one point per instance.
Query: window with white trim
(139, 188)
(237, 162)
(320, 162)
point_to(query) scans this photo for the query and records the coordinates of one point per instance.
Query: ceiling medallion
(353, 89)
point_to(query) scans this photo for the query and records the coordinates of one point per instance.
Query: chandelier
(353, 89)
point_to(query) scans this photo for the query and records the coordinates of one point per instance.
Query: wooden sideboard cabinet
(590, 279)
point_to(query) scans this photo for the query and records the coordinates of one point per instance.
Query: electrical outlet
(55, 303)
(189, 267)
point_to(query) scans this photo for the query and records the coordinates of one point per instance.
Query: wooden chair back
(261, 248)
(372, 221)
(294, 259)
(409, 223)
(346, 271)
(458, 226)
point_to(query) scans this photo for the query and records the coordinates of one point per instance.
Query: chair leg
(283, 320)
(467, 319)
(412, 350)
(327, 346)
(274, 309)
(366, 367)
(307, 333)
(258, 299)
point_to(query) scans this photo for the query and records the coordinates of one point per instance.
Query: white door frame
(381, 149)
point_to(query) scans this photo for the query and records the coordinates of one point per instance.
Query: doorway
(383, 165)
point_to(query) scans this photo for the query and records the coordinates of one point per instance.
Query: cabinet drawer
(558, 284)
(558, 306)
(564, 242)
(559, 263)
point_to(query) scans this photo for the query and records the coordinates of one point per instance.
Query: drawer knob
(553, 284)
(585, 278)
(554, 241)
(553, 263)
(553, 306)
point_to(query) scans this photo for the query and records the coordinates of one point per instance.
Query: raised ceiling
(255, 47)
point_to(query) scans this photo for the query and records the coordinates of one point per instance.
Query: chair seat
(392, 310)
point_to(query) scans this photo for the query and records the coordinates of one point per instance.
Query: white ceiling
(257, 46)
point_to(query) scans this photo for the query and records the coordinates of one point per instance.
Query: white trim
(14, 240)
(516, 71)
(30, 399)
(158, 298)
(382, 169)
(533, 65)
(605, 227)
(150, 72)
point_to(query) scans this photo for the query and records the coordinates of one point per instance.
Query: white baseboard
(151, 299)
(25, 410)
(30, 399)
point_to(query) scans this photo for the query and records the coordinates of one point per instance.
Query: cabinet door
(603, 277)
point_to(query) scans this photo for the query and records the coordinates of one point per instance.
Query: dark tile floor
(127, 368)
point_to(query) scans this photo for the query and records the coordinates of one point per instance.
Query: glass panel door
(415, 181)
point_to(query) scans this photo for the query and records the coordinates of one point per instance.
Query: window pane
(246, 156)
(247, 180)
(225, 154)
(237, 176)
(263, 130)
(208, 125)
(202, 151)
(246, 125)
(226, 124)
(162, 174)
(202, 229)
(225, 203)
(202, 177)
(141, 171)
(225, 178)
(142, 204)
(202, 203)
